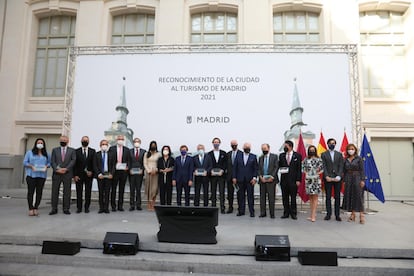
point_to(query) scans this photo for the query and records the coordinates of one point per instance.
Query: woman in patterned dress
(354, 179)
(312, 167)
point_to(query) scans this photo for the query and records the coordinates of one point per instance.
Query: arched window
(296, 27)
(133, 29)
(214, 27)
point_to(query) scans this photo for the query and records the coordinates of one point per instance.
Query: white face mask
(165, 152)
(201, 152)
(39, 146)
(104, 147)
(120, 142)
(137, 144)
(351, 152)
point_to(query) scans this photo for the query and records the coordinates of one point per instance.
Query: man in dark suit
(183, 175)
(231, 156)
(217, 176)
(136, 175)
(202, 168)
(62, 161)
(333, 162)
(121, 172)
(104, 171)
(290, 167)
(83, 173)
(268, 167)
(245, 176)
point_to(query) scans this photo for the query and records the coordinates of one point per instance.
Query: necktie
(233, 156)
(119, 154)
(84, 153)
(136, 154)
(201, 159)
(182, 160)
(266, 165)
(63, 154)
(288, 158)
(103, 161)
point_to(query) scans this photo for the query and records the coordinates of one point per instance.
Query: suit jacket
(229, 171)
(111, 163)
(222, 161)
(126, 155)
(244, 172)
(207, 163)
(137, 163)
(81, 163)
(68, 163)
(335, 168)
(272, 167)
(295, 168)
(183, 172)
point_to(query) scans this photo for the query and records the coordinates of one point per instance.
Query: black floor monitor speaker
(318, 258)
(272, 248)
(60, 247)
(121, 243)
(196, 225)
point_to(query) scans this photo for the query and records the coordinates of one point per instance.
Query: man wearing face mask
(333, 162)
(245, 170)
(231, 156)
(217, 176)
(104, 170)
(183, 175)
(136, 175)
(268, 167)
(121, 172)
(83, 171)
(202, 167)
(290, 168)
(63, 160)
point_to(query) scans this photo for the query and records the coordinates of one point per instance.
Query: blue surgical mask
(183, 152)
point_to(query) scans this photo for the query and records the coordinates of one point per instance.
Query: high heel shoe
(35, 212)
(351, 218)
(31, 213)
(361, 219)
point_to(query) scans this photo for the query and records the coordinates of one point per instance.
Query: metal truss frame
(349, 49)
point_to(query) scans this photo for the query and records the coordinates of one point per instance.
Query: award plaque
(200, 172)
(121, 166)
(135, 171)
(216, 172)
(284, 170)
(39, 168)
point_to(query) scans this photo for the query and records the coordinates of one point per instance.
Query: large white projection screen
(190, 98)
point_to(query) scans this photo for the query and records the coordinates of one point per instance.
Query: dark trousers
(337, 189)
(180, 187)
(230, 193)
(267, 190)
(214, 181)
(201, 181)
(34, 184)
(165, 188)
(83, 179)
(245, 186)
(104, 187)
(57, 179)
(120, 178)
(135, 184)
(289, 191)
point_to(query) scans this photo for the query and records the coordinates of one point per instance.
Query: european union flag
(372, 181)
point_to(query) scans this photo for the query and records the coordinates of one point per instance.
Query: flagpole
(369, 211)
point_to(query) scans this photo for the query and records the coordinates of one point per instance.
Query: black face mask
(153, 148)
(63, 144)
(285, 149)
(265, 152)
(246, 150)
(85, 143)
(312, 153)
(234, 147)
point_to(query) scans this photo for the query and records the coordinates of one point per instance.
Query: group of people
(236, 171)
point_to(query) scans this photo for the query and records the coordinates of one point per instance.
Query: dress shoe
(100, 211)
(139, 209)
(131, 208)
(66, 212)
(327, 217)
(223, 211)
(78, 211)
(338, 219)
(106, 211)
(240, 214)
(262, 216)
(31, 213)
(272, 216)
(252, 215)
(121, 209)
(53, 212)
(294, 217)
(86, 210)
(284, 216)
(229, 211)
(113, 209)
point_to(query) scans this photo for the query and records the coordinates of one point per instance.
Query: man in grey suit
(268, 167)
(333, 163)
(63, 159)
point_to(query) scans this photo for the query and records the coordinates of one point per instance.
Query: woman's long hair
(149, 149)
(35, 150)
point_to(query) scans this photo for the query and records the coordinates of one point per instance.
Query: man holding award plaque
(136, 175)
(202, 168)
(121, 172)
(104, 170)
(268, 167)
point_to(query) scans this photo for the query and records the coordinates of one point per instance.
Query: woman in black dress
(165, 167)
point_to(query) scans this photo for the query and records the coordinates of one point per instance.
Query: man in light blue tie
(183, 175)
(268, 167)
